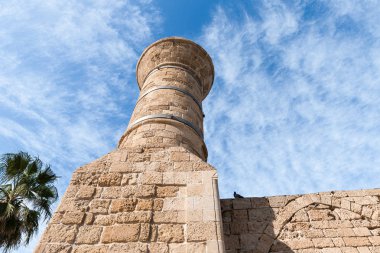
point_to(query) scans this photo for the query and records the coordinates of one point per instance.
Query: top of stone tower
(178, 52)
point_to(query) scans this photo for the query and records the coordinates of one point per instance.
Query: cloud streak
(295, 104)
(67, 77)
(62, 64)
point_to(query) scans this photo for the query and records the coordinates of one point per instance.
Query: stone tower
(155, 192)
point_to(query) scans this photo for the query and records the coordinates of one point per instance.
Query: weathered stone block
(249, 241)
(52, 248)
(60, 233)
(145, 191)
(183, 166)
(201, 231)
(110, 179)
(151, 177)
(90, 249)
(331, 250)
(180, 156)
(144, 232)
(314, 233)
(364, 250)
(170, 233)
(158, 247)
(356, 241)
(56, 218)
(112, 192)
(362, 231)
(158, 204)
(105, 220)
(121, 233)
(169, 217)
(257, 214)
(167, 191)
(73, 205)
(259, 202)
(196, 190)
(144, 204)
(300, 244)
(257, 227)
(238, 227)
(349, 250)
(99, 206)
(174, 204)
(338, 242)
(241, 204)
(71, 191)
(122, 167)
(232, 242)
(129, 179)
(277, 201)
(132, 247)
(367, 211)
(242, 215)
(123, 205)
(375, 240)
(89, 218)
(300, 216)
(88, 234)
(139, 216)
(323, 242)
(73, 217)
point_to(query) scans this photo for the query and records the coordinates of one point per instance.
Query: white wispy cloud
(67, 77)
(295, 103)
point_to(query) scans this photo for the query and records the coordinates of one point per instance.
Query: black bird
(238, 196)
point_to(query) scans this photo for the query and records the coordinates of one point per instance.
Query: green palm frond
(44, 207)
(46, 176)
(7, 210)
(15, 164)
(33, 167)
(4, 191)
(30, 222)
(46, 191)
(27, 192)
(3, 210)
(10, 233)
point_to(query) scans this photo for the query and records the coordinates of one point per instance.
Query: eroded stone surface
(141, 212)
(343, 221)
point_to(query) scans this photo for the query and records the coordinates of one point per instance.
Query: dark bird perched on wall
(238, 196)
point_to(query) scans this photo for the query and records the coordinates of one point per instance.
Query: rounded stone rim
(209, 86)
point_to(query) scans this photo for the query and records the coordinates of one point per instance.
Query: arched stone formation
(328, 222)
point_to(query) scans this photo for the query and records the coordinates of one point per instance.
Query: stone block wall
(138, 201)
(328, 222)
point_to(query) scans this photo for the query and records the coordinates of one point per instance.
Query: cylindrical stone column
(174, 76)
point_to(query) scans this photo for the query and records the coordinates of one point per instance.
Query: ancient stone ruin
(156, 192)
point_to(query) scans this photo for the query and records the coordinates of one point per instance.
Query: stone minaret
(155, 192)
(174, 76)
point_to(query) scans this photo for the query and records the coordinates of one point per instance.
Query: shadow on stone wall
(341, 221)
(248, 226)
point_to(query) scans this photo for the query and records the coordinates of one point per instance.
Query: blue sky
(295, 106)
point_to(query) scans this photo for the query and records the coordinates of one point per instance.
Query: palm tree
(26, 194)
